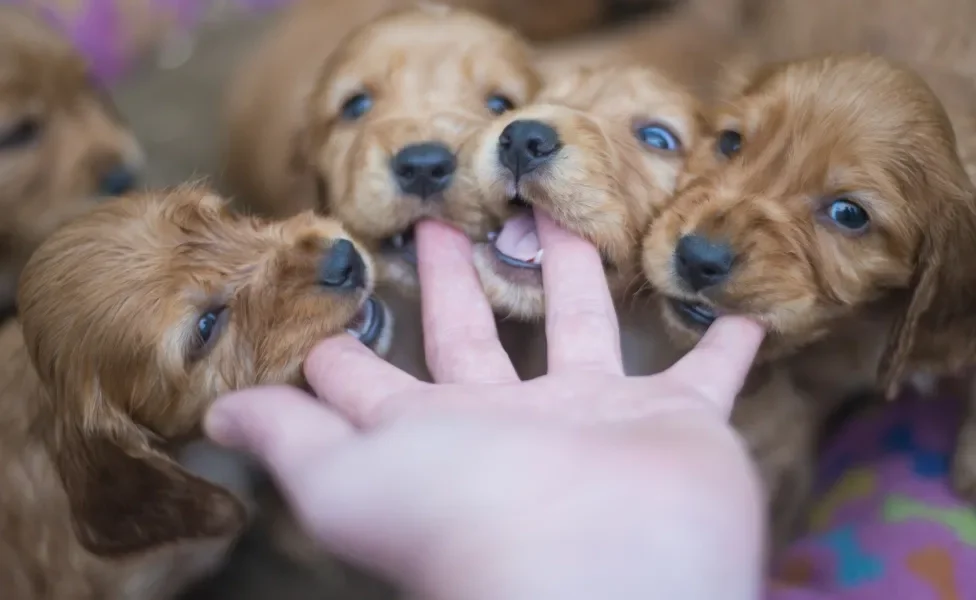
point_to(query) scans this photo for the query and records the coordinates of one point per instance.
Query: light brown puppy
(832, 207)
(600, 150)
(135, 317)
(62, 143)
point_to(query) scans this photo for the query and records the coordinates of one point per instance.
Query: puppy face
(392, 122)
(62, 143)
(600, 151)
(138, 314)
(831, 186)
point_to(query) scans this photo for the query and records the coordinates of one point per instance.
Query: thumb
(717, 367)
(282, 427)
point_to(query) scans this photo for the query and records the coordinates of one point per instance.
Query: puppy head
(600, 151)
(138, 314)
(62, 143)
(832, 187)
(392, 118)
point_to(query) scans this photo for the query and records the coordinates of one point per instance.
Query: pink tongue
(518, 238)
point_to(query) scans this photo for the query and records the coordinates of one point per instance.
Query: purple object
(888, 526)
(110, 38)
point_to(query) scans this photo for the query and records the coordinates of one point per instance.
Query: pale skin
(580, 484)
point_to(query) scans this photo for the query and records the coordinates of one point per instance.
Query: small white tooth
(538, 257)
(492, 236)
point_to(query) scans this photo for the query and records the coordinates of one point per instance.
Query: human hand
(582, 483)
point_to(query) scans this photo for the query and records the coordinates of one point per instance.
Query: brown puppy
(136, 316)
(387, 121)
(832, 207)
(62, 144)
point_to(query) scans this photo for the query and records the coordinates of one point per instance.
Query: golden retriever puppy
(831, 206)
(600, 150)
(387, 120)
(62, 143)
(134, 318)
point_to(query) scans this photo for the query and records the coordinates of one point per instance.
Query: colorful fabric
(115, 34)
(886, 525)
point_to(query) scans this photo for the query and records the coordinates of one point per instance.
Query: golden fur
(111, 308)
(62, 143)
(848, 309)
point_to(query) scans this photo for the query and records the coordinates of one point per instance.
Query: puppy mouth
(695, 314)
(402, 245)
(516, 244)
(368, 324)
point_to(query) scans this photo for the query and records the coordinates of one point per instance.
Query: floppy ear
(126, 497)
(937, 328)
(309, 183)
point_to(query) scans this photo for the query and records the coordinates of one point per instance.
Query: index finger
(717, 367)
(581, 321)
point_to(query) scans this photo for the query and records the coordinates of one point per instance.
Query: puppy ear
(309, 183)
(126, 497)
(937, 328)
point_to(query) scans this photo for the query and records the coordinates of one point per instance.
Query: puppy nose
(701, 262)
(342, 267)
(525, 145)
(424, 169)
(117, 181)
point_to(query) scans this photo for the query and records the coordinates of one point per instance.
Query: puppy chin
(512, 292)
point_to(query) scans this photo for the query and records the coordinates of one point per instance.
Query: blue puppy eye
(848, 214)
(357, 106)
(207, 326)
(499, 104)
(659, 137)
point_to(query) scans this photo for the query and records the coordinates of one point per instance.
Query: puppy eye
(21, 134)
(729, 143)
(499, 104)
(659, 137)
(848, 214)
(357, 106)
(208, 327)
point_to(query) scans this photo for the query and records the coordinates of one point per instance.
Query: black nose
(701, 262)
(342, 267)
(424, 169)
(119, 180)
(525, 145)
